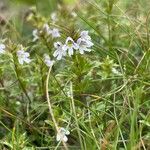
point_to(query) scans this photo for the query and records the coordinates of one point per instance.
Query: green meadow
(74, 75)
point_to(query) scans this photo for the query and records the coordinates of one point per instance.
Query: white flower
(70, 45)
(84, 35)
(2, 48)
(55, 33)
(35, 35)
(60, 51)
(84, 45)
(84, 42)
(23, 56)
(61, 135)
(48, 61)
(54, 17)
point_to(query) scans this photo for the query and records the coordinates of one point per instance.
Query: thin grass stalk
(50, 107)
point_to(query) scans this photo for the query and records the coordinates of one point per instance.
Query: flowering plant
(74, 75)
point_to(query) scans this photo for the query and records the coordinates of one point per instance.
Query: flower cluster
(83, 44)
(23, 56)
(70, 46)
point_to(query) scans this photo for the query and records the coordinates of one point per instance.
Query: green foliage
(101, 97)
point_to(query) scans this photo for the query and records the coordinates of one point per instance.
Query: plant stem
(50, 107)
(21, 84)
(75, 115)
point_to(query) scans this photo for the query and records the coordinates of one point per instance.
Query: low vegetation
(75, 75)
